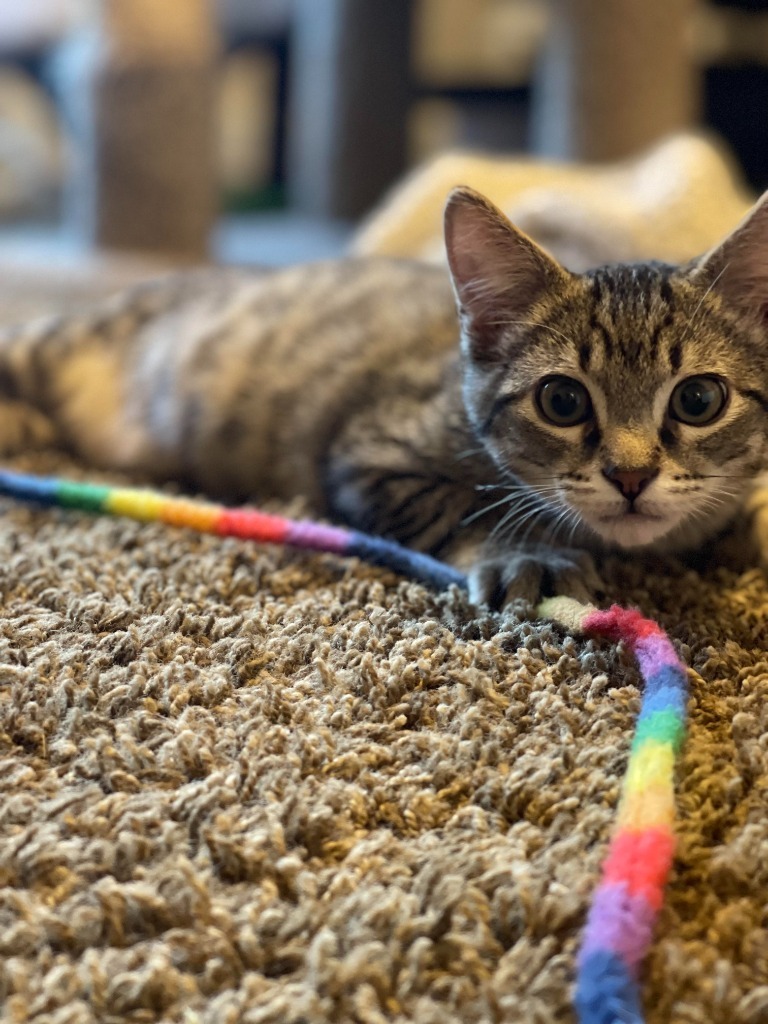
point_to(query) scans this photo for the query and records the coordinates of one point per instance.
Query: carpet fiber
(244, 784)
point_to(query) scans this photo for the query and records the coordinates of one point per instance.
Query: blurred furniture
(145, 77)
(615, 77)
(348, 102)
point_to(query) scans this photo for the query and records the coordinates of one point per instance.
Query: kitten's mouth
(632, 528)
(631, 518)
(632, 511)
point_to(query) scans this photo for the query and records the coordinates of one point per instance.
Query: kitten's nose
(631, 482)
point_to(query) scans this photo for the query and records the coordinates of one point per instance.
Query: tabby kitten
(567, 415)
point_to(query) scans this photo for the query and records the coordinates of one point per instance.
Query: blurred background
(263, 131)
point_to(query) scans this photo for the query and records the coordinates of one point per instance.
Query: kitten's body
(336, 381)
(346, 383)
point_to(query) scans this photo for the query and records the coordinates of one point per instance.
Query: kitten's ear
(498, 272)
(737, 269)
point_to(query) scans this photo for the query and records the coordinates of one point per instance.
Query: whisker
(519, 496)
(515, 518)
(517, 501)
(577, 522)
(468, 453)
(519, 487)
(691, 322)
(543, 521)
(486, 509)
(528, 507)
(567, 517)
(519, 514)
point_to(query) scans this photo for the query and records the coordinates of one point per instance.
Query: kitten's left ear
(498, 272)
(737, 269)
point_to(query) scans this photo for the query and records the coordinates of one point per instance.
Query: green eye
(698, 401)
(563, 401)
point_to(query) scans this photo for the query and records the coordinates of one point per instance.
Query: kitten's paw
(530, 574)
(23, 428)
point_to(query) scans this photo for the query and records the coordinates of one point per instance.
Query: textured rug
(244, 784)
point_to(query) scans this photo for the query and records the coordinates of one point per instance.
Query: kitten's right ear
(498, 272)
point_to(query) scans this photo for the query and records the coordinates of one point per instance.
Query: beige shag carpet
(241, 784)
(245, 784)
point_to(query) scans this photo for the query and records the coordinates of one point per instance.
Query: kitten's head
(633, 399)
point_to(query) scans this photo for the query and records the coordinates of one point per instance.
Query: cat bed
(670, 203)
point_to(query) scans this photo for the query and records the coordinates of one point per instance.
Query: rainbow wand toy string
(630, 894)
(626, 903)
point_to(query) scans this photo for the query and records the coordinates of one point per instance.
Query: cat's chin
(634, 530)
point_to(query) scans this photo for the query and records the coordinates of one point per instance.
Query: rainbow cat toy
(629, 895)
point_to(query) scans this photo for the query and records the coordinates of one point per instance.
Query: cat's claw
(530, 574)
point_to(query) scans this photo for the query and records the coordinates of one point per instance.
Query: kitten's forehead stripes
(641, 291)
(676, 356)
(612, 283)
(666, 292)
(661, 326)
(599, 328)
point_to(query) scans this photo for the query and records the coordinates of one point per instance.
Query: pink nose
(631, 482)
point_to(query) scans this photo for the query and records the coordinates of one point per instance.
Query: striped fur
(353, 384)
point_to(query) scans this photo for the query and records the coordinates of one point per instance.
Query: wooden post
(349, 93)
(616, 76)
(148, 81)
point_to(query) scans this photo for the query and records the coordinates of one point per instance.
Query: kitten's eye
(563, 401)
(698, 401)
